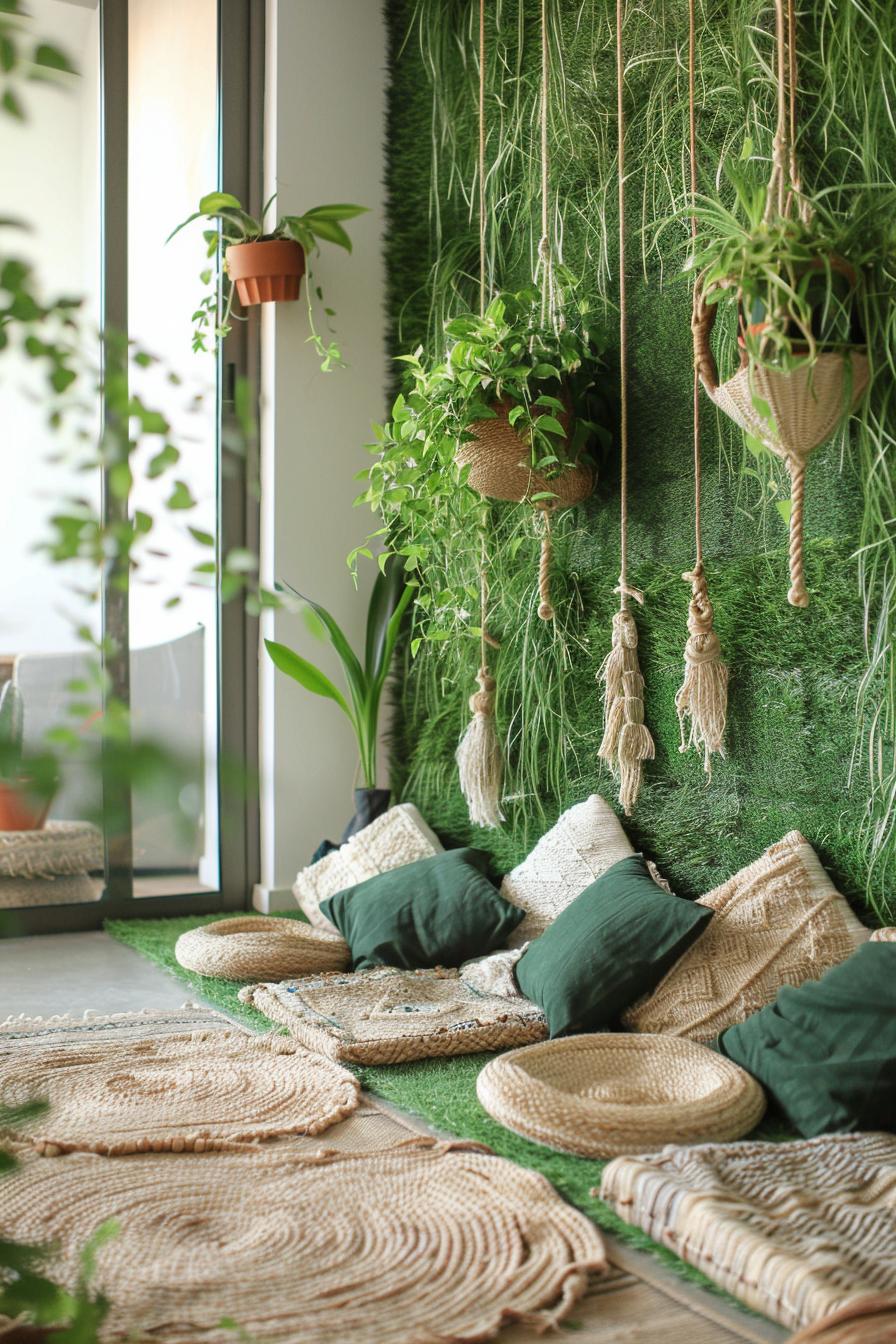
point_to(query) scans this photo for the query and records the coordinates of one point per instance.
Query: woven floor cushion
(428, 1241)
(399, 836)
(261, 947)
(605, 1094)
(585, 842)
(118, 1086)
(884, 936)
(780, 921)
(387, 1016)
(869, 1320)
(795, 1230)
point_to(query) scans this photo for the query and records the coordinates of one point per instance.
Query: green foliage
(388, 602)
(794, 675)
(235, 226)
(544, 375)
(12, 731)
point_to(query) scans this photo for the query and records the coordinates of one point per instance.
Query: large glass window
(69, 171)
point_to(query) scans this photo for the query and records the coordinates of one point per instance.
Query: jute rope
(795, 1230)
(261, 947)
(627, 742)
(389, 1016)
(199, 1090)
(606, 1094)
(480, 762)
(704, 694)
(426, 1241)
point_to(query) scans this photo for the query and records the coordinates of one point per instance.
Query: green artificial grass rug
(440, 1091)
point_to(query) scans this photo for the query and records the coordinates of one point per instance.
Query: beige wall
(325, 135)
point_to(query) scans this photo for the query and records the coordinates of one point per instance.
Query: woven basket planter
(603, 1095)
(806, 406)
(252, 946)
(266, 272)
(500, 461)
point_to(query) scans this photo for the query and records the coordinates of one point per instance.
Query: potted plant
(796, 284)
(510, 413)
(260, 266)
(25, 792)
(365, 679)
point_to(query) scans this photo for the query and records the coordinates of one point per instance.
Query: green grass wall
(794, 673)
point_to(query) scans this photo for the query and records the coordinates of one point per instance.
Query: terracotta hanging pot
(266, 272)
(20, 808)
(500, 461)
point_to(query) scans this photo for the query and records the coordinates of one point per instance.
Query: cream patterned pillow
(780, 921)
(398, 837)
(585, 842)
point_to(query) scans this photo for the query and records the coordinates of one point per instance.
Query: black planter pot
(369, 804)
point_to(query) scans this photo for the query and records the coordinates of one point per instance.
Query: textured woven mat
(387, 1016)
(164, 1082)
(426, 1242)
(794, 1230)
(602, 1095)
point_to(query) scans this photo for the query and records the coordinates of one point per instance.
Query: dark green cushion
(614, 943)
(826, 1052)
(436, 912)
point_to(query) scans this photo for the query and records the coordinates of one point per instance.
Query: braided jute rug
(426, 1242)
(388, 1016)
(164, 1082)
(795, 1230)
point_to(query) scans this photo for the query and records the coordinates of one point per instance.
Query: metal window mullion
(117, 802)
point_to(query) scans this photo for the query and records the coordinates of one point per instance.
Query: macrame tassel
(704, 695)
(627, 741)
(479, 760)
(545, 606)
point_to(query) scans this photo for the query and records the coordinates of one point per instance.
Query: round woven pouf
(604, 1095)
(261, 947)
(424, 1242)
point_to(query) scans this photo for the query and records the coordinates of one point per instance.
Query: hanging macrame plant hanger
(627, 742)
(703, 698)
(806, 405)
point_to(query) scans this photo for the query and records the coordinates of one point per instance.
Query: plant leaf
(306, 674)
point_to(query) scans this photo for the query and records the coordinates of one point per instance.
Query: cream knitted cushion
(780, 921)
(399, 836)
(585, 842)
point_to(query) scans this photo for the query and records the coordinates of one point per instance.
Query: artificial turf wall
(794, 673)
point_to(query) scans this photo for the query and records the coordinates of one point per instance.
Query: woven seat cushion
(614, 942)
(585, 842)
(260, 947)
(883, 936)
(869, 1320)
(780, 921)
(387, 1016)
(795, 1230)
(436, 912)
(607, 1094)
(826, 1051)
(399, 836)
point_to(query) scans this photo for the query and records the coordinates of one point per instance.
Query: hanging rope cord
(623, 590)
(784, 182)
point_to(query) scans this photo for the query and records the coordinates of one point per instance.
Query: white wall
(325, 131)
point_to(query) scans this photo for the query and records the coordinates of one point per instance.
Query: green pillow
(435, 912)
(826, 1052)
(614, 943)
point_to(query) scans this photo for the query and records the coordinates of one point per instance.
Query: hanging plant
(259, 266)
(515, 411)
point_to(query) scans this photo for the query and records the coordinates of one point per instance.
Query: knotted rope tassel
(627, 741)
(704, 695)
(479, 761)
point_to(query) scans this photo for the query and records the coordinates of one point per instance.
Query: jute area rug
(795, 1230)
(163, 1082)
(424, 1243)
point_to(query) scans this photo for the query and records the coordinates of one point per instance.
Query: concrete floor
(639, 1302)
